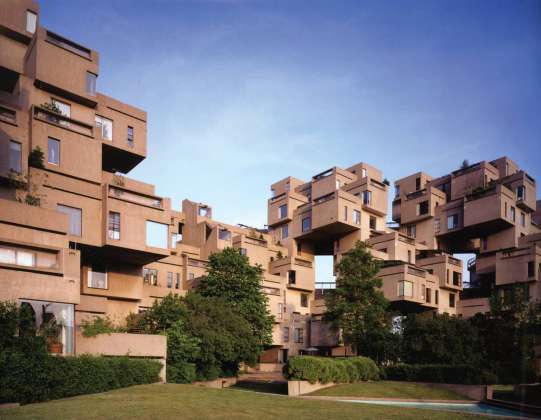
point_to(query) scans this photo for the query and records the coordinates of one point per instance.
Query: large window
(53, 151)
(156, 234)
(150, 276)
(28, 257)
(54, 317)
(97, 277)
(91, 83)
(405, 289)
(75, 218)
(357, 217)
(114, 225)
(306, 224)
(31, 21)
(105, 127)
(15, 156)
(452, 221)
(282, 211)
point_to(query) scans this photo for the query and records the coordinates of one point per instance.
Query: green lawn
(191, 402)
(389, 389)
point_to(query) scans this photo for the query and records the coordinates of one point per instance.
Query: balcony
(485, 211)
(298, 272)
(61, 121)
(518, 265)
(419, 205)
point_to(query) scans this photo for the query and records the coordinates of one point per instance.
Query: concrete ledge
(474, 392)
(296, 388)
(217, 383)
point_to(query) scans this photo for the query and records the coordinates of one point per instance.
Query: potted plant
(50, 329)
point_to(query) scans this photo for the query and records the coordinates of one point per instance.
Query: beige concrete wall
(297, 388)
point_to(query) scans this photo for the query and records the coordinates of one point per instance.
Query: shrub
(325, 369)
(99, 325)
(33, 377)
(455, 374)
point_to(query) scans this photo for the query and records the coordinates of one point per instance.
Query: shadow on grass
(271, 387)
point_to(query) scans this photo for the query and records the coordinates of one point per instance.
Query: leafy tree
(231, 278)
(439, 339)
(357, 306)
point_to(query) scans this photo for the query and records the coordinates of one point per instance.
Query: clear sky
(243, 93)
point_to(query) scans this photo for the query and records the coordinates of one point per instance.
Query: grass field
(389, 389)
(190, 402)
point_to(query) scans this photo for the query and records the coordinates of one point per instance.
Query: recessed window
(28, 257)
(91, 83)
(428, 296)
(243, 251)
(75, 216)
(114, 225)
(512, 214)
(53, 151)
(8, 114)
(417, 184)
(373, 221)
(363, 173)
(105, 127)
(451, 300)
(292, 276)
(97, 277)
(457, 279)
(521, 193)
(177, 284)
(422, 208)
(405, 289)
(452, 221)
(299, 335)
(357, 217)
(412, 231)
(282, 211)
(15, 156)
(338, 184)
(397, 190)
(436, 297)
(157, 234)
(531, 268)
(131, 143)
(224, 234)
(367, 197)
(31, 21)
(285, 231)
(522, 219)
(286, 334)
(150, 276)
(304, 300)
(306, 224)
(346, 213)
(169, 280)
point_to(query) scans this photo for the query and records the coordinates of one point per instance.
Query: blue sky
(243, 93)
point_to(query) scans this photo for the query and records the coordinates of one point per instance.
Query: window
(91, 83)
(484, 243)
(512, 213)
(299, 247)
(405, 288)
(452, 221)
(304, 300)
(338, 184)
(299, 335)
(292, 276)
(423, 292)
(422, 208)
(282, 211)
(522, 219)
(531, 268)
(224, 234)
(169, 280)
(150, 276)
(428, 296)
(114, 225)
(436, 297)
(31, 21)
(447, 277)
(8, 114)
(397, 190)
(97, 277)
(286, 334)
(157, 235)
(417, 184)
(130, 137)
(363, 173)
(457, 278)
(409, 256)
(105, 127)
(191, 276)
(203, 211)
(75, 218)
(451, 300)
(285, 231)
(521, 193)
(306, 224)
(53, 151)
(505, 210)
(177, 284)
(243, 251)
(346, 213)
(280, 310)
(367, 197)
(411, 230)
(373, 222)
(65, 109)
(357, 217)
(15, 156)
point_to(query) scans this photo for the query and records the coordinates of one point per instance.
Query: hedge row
(27, 379)
(325, 369)
(451, 374)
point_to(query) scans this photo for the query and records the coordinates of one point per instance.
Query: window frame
(52, 140)
(80, 212)
(113, 225)
(90, 83)
(99, 124)
(12, 157)
(32, 24)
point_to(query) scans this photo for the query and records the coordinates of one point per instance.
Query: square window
(53, 151)
(156, 234)
(75, 216)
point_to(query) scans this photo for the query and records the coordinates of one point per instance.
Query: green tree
(357, 307)
(231, 278)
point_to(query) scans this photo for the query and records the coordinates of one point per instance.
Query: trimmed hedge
(325, 369)
(32, 378)
(452, 374)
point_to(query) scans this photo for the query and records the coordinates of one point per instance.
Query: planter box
(296, 388)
